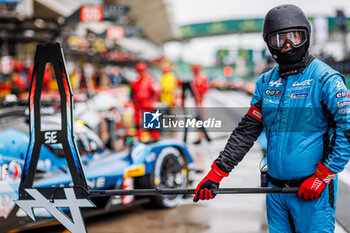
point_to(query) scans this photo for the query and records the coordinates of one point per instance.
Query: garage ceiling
(154, 17)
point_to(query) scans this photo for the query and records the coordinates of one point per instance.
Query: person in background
(19, 78)
(168, 83)
(145, 94)
(102, 80)
(114, 75)
(303, 105)
(200, 86)
(49, 82)
(75, 78)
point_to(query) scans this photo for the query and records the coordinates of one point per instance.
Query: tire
(170, 171)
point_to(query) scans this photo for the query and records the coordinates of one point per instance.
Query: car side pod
(52, 198)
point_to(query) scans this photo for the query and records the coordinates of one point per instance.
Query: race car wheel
(170, 172)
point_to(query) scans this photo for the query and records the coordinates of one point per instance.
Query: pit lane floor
(239, 213)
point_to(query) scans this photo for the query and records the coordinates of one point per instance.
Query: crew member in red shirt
(145, 94)
(200, 84)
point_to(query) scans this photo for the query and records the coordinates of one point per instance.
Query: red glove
(211, 180)
(312, 187)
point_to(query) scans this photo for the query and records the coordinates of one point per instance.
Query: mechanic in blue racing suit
(304, 107)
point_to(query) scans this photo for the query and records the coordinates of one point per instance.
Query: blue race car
(163, 164)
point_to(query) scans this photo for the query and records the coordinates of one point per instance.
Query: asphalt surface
(238, 213)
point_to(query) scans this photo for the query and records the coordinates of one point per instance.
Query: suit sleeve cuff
(218, 171)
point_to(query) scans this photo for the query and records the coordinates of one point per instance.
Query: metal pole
(156, 192)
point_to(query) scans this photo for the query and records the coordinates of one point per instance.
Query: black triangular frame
(52, 53)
